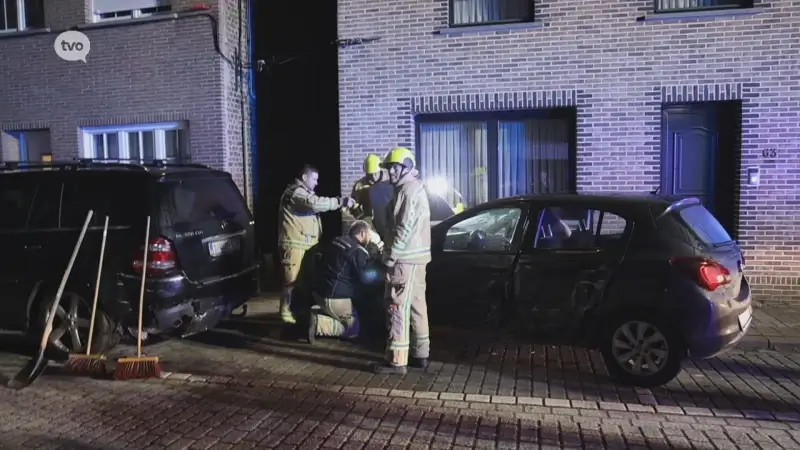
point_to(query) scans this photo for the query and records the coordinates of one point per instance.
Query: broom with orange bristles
(90, 364)
(139, 366)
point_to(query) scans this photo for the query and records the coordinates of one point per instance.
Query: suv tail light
(161, 257)
(708, 273)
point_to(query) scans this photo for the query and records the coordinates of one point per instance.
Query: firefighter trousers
(291, 260)
(407, 314)
(335, 317)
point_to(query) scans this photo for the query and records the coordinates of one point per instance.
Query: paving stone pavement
(775, 327)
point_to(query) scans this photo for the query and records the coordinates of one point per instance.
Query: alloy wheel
(640, 348)
(71, 324)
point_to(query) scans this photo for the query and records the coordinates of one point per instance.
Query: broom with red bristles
(90, 364)
(139, 366)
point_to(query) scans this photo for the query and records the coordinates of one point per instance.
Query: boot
(418, 363)
(388, 369)
(286, 314)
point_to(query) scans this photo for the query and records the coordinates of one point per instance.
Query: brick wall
(617, 71)
(138, 72)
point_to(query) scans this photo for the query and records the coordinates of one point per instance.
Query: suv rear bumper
(176, 305)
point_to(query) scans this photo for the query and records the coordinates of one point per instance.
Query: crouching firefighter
(407, 254)
(300, 228)
(339, 277)
(363, 207)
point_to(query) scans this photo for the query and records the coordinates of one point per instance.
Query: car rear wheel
(642, 350)
(71, 325)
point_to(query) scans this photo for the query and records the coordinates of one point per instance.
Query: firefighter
(299, 228)
(406, 256)
(363, 208)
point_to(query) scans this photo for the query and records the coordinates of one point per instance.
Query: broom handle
(49, 327)
(97, 287)
(141, 289)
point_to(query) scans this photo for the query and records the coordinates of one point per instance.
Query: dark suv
(202, 261)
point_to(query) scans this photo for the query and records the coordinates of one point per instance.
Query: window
(483, 12)
(107, 195)
(578, 228)
(195, 201)
(667, 6)
(488, 231)
(128, 9)
(16, 197)
(138, 142)
(698, 222)
(17, 15)
(509, 155)
(27, 145)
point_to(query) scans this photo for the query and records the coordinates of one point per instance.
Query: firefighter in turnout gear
(299, 228)
(406, 256)
(363, 208)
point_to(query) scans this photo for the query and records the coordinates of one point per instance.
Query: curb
(497, 403)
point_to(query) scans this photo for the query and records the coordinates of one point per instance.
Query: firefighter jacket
(360, 194)
(409, 224)
(342, 269)
(298, 217)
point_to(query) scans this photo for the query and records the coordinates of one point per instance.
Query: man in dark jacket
(339, 278)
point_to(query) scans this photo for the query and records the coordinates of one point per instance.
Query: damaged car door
(473, 256)
(568, 258)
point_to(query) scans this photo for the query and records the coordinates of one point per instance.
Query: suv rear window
(197, 200)
(703, 225)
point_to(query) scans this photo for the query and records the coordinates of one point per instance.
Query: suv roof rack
(128, 164)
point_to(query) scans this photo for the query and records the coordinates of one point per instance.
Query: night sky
(297, 105)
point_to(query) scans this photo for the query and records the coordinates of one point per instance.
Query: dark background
(297, 106)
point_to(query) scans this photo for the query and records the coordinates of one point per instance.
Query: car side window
(488, 231)
(105, 196)
(577, 228)
(16, 198)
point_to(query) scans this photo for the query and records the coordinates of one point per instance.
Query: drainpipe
(251, 79)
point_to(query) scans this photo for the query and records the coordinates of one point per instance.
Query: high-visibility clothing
(409, 225)
(298, 218)
(360, 194)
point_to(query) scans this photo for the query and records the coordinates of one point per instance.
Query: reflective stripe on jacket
(409, 224)
(299, 225)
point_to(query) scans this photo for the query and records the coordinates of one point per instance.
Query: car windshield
(704, 225)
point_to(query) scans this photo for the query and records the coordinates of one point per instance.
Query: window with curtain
(488, 159)
(667, 6)
(480, 12)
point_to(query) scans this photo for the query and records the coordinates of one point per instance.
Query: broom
(38, 363)
(89, 364)
(139, 366)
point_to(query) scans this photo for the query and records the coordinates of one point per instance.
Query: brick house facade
(153, 83)
(626, 87)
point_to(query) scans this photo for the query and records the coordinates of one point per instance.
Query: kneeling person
(339, 278)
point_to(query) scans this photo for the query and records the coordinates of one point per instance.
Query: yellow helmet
(400, 155)
(372, 164)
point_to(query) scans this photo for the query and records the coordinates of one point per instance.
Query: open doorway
(25, 145)
(701, 156)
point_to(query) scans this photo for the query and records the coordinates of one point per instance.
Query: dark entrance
(701, 156)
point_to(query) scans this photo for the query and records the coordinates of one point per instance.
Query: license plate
(218, 248)
(744, 318)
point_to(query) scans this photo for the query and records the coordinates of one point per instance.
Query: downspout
(251, 79)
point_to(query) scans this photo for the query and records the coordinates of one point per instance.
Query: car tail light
(708, 273)
(161, 257)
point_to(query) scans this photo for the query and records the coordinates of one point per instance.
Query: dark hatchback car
(646, 280)
(201, 263)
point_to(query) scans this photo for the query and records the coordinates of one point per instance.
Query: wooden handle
(49, 326)
(97, 287)
(141, 289)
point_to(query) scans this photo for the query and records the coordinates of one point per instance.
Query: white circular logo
(72, 46)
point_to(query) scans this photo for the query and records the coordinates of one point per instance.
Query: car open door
(473, 258)
(568, 257)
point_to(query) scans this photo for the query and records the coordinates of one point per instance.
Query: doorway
(701, 156)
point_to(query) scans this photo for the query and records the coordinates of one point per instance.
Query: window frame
(159, 139)
(451, 24)
(163, 7)
(493, 119)
(519, 231)
(529, 245)
(741, 4)
(22, 19)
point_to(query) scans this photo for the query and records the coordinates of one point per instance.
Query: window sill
(457, 31)
(684, 15)
(23, 33)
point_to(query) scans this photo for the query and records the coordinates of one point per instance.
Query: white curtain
(533, 157)
(681, 5)
(458, 153)
(486, 11)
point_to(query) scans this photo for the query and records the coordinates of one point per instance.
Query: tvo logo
(72, 46)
